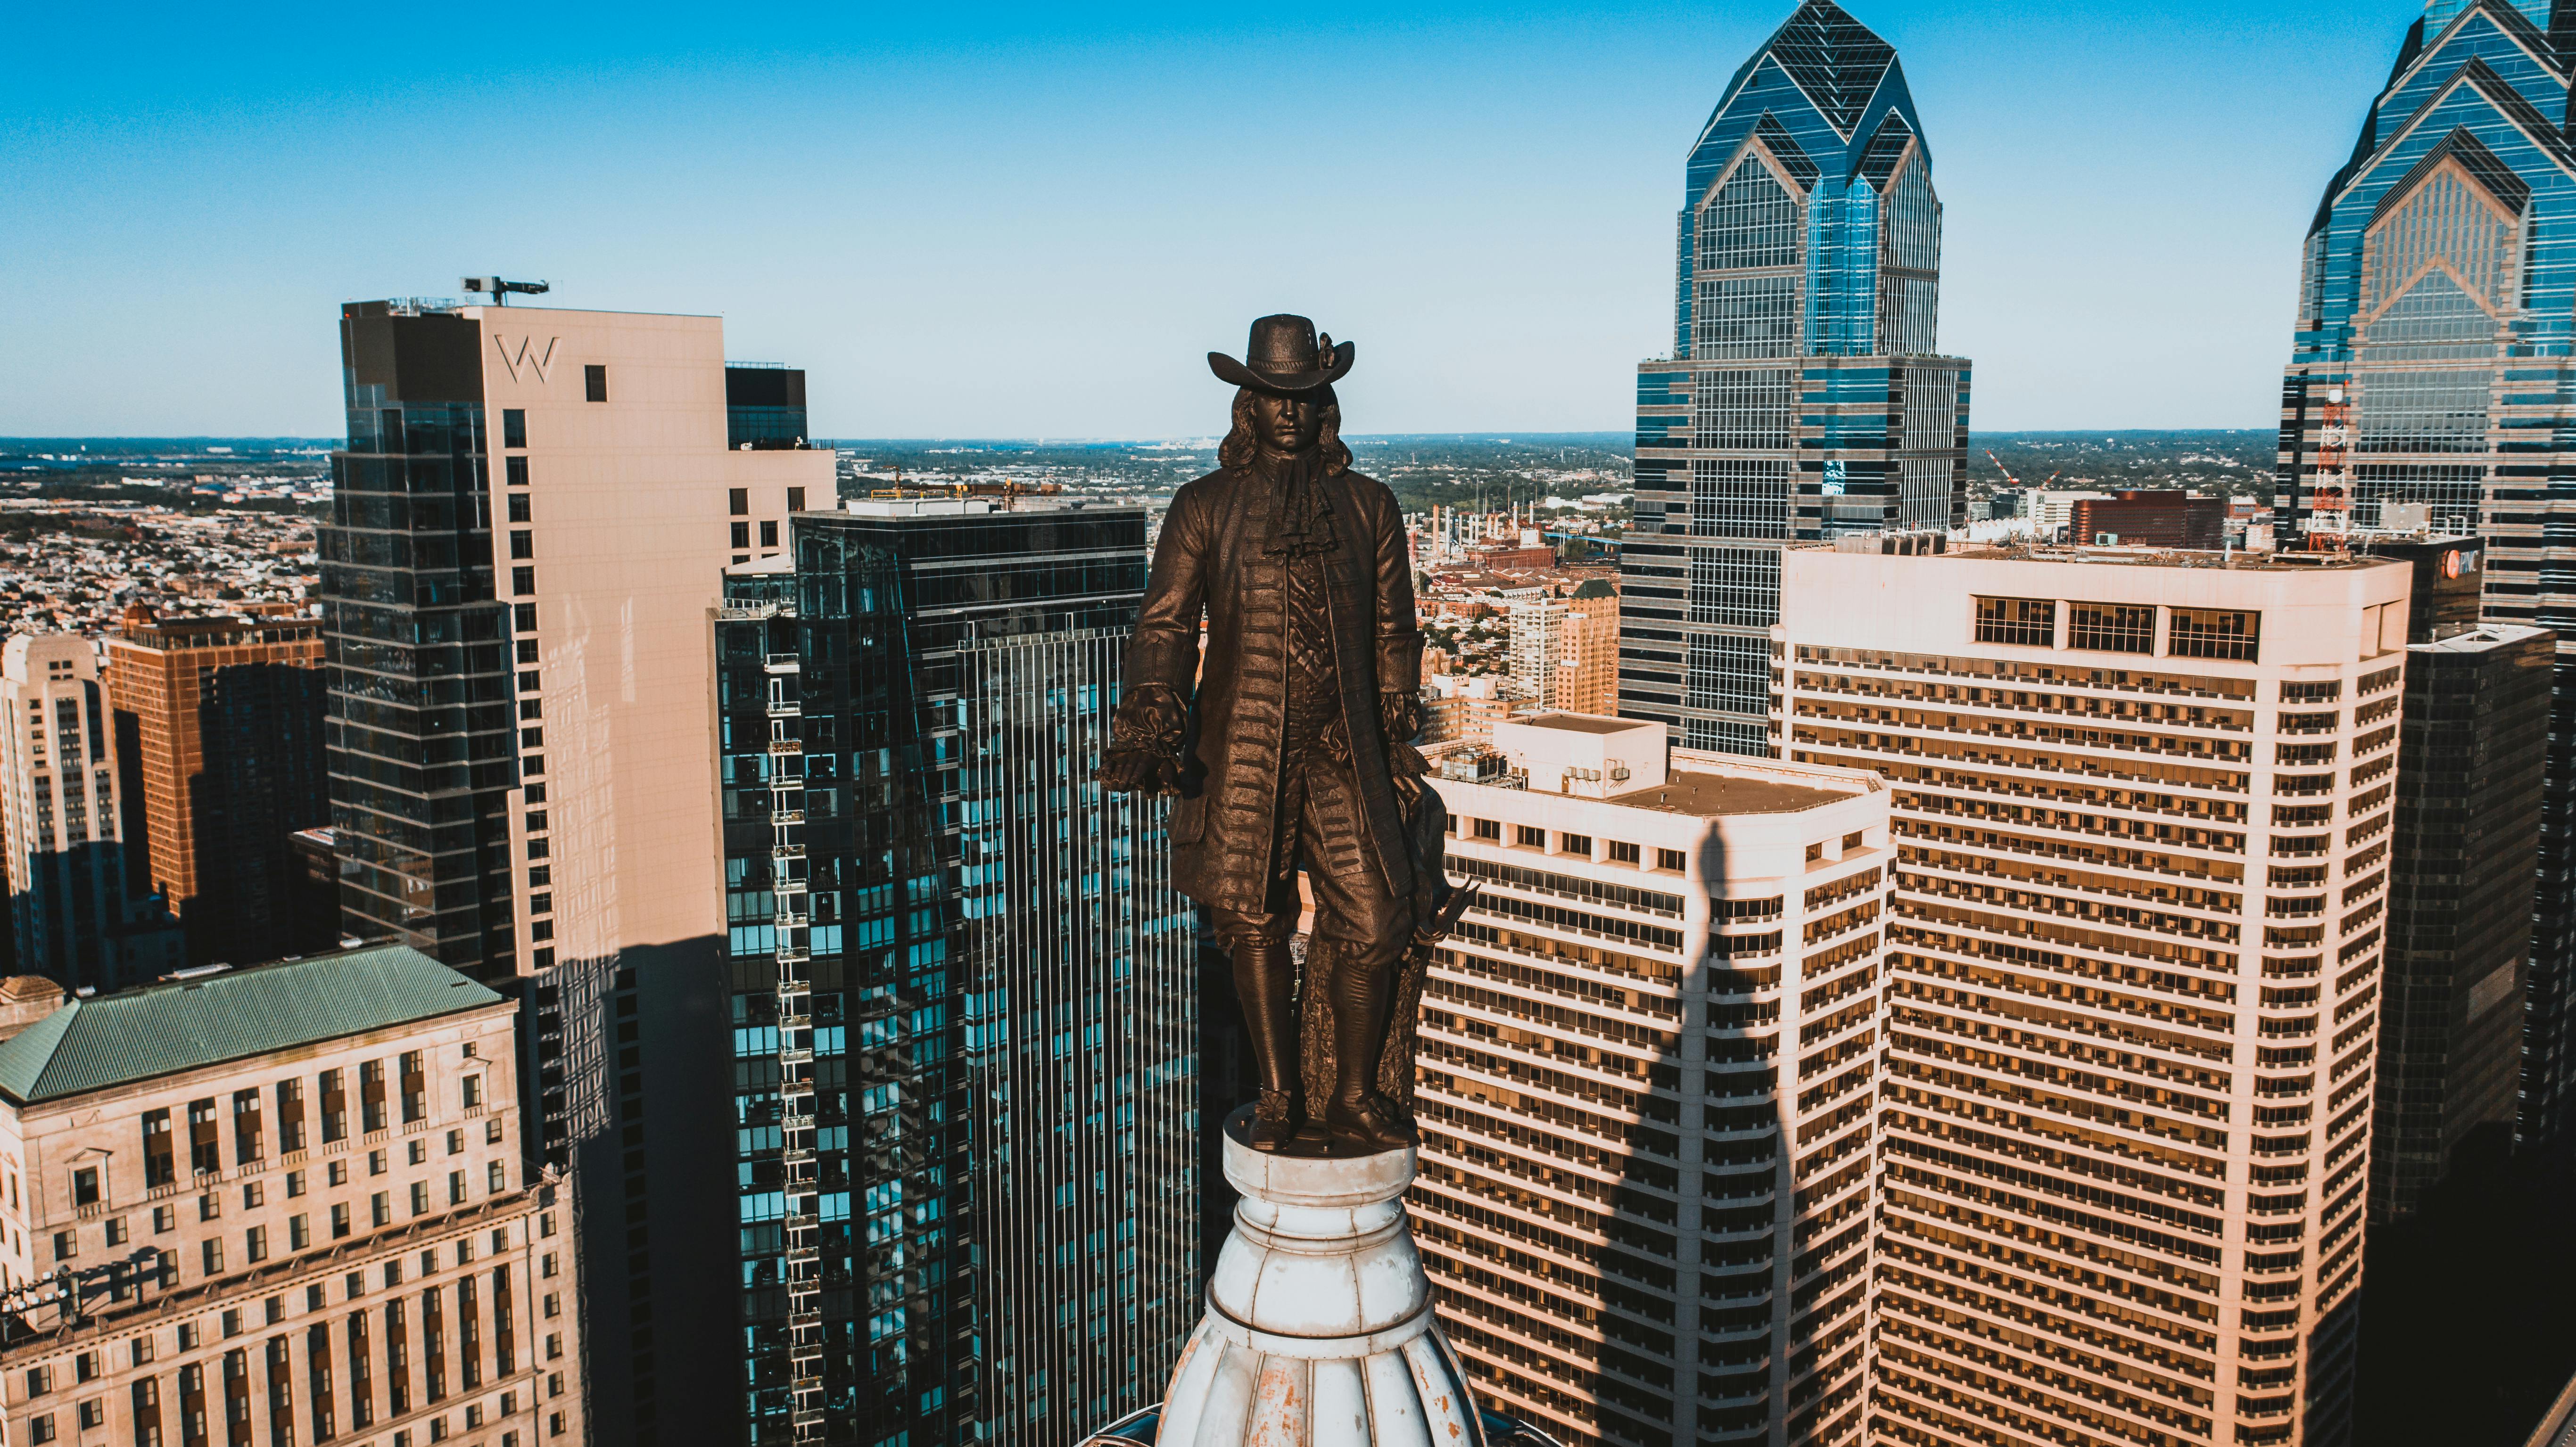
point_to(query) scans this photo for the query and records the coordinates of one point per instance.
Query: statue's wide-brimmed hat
(1284, 356)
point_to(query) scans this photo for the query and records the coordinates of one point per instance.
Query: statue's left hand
(1145, 738)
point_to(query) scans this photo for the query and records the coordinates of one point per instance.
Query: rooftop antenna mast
(500, 290)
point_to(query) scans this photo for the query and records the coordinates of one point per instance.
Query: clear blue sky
(984, 220)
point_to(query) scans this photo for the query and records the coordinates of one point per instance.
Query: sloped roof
(135, 1035)
(1785, 149)
(1835, 59)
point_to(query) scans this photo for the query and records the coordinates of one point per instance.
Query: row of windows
(2229, 633)
(251, 1131)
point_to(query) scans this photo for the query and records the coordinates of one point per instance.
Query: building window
(523, 581)
(380, 1208)
(41, 1429)
(594, 383)
(496, 1175)
(738, 501)
(2213, 633)
(1529, 837)
(518, 507)
(290, 1115)
(85, 1186)
(335, 1107)
(1574, 844)
(159, 1169)
(66, 1245)
(248, 1138)
(205, 1153)
(1622, 853)
(742, 535)
(2112, 627)
(1489, 829)
(415, 1087)
(2323, 691)
(116, 1232)
(255, 1243)
(211, 1253)
(472, 1086)
(339, 1222)
(769, 535)
(1670, 859)
(514, 427)
(2027, 622)
(795, 499)
(515, 471)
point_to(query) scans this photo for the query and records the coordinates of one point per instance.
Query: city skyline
(1109, 141)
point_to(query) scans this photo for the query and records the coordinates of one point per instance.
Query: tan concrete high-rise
(1647, 1075)
(282, 1204)
(223, 720)
(2142, 808)
(73, 914)
(529, 528)
(1588, 662)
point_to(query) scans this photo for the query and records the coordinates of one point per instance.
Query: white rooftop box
(1584, 754)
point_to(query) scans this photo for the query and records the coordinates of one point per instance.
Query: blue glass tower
(1804, 397)
(964, 991)
(2433, 379)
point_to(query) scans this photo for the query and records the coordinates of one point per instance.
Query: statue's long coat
(1211, 560)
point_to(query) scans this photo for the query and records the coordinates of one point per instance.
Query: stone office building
(1647, 1086)
(285, 1204)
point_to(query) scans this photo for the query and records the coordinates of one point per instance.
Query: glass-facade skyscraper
(963, 989)
(2434, 368)
(1804, 397)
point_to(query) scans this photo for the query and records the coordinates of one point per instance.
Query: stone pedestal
(1319, 1331)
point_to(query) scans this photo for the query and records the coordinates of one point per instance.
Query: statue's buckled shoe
(1275, 1120)
(1373, 1122)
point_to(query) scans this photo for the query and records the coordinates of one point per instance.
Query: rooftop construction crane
(2015, 481)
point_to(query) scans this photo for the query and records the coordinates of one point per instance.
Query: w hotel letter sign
(527, 355)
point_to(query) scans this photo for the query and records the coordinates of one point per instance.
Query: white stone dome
(1319, 1330)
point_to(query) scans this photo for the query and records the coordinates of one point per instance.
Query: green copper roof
(135, 1035)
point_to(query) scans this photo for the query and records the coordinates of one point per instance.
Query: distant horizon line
(1491, 434)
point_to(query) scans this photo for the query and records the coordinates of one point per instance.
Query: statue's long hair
(1237, 448)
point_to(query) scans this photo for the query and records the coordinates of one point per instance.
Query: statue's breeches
(1320, 827)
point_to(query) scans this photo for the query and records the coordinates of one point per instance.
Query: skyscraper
(529, 524)
(2471, 753)
(1647, 1081)
(963, 990)
(226, 721)
(76, 918)
(1804, 397)
(2142, 816)
(2430, 366)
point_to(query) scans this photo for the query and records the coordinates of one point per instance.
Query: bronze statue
(1292, 746)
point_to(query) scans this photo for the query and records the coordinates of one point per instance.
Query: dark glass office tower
(1804, 397)
(2469, 765)
(2431, 372)
(421, 739)
(964, 992)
